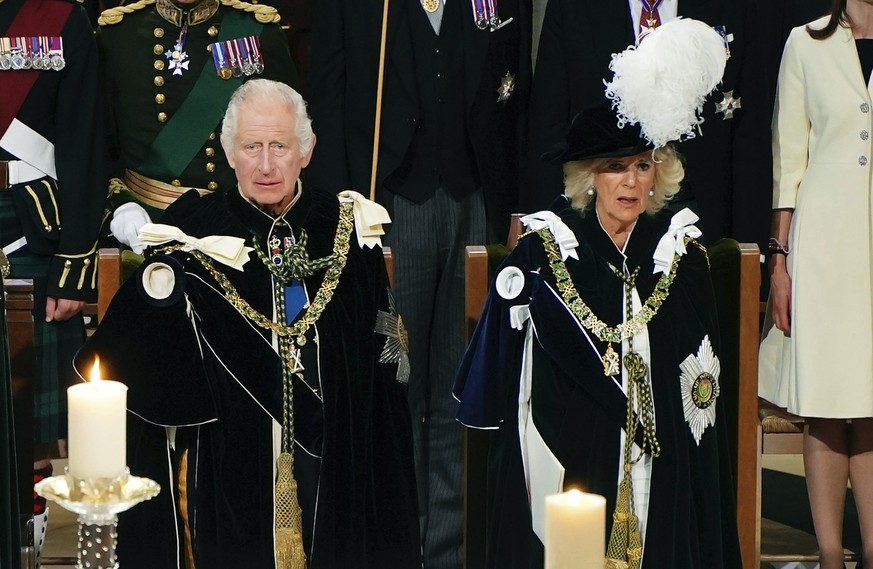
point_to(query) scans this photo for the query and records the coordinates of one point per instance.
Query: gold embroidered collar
(196, 14)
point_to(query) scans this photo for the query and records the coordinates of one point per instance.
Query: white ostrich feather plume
(662, 83)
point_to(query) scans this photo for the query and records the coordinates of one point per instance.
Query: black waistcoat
(440, 152)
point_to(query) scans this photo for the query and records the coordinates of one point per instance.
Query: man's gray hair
(267, 91)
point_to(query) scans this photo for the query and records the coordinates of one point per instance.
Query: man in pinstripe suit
(453, 104)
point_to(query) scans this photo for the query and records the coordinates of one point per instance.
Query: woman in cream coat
(818, 359)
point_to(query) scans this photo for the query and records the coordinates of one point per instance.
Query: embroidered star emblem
(698, 384)
(728, 105)
(396, 348)
(178, 59)
(506, 88)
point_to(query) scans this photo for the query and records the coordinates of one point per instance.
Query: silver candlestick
(97, 501)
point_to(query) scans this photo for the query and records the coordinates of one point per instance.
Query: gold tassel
(289, 517)
(625, 542)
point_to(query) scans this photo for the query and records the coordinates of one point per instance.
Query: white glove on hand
(126, 223)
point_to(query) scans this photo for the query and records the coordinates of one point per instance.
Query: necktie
(434, 11)
(649, 17)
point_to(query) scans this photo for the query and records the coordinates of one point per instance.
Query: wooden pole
(379, 82)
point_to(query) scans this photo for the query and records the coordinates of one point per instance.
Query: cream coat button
(865, 107)
(862, 160)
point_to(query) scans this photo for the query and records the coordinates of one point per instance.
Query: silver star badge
(698, 384)
(396, 348)
(507, 86)
(728, 105)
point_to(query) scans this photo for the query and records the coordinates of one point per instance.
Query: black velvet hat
(594, 133)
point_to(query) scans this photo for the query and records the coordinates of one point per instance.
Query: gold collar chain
(584, 314)
(318, 304)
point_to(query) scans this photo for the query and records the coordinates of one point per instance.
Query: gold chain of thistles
(318, 304)
(584, 314)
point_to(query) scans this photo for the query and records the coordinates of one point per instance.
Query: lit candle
(575, 530)
(97, 427)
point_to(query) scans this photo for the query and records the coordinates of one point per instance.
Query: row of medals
(251, 64)
(19, 59)
(482, 20)
(236, 69)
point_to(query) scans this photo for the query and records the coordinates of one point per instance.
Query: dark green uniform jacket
(165, 122)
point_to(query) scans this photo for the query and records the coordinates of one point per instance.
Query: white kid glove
(126, 223)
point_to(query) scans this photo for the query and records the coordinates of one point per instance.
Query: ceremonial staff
(379, 101)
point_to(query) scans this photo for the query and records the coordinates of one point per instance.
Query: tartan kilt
(55, 343)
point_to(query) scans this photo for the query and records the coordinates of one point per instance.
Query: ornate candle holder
(97, 502)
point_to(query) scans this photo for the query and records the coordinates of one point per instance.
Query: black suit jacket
(778, 18)
(345, 63)
(728, 169)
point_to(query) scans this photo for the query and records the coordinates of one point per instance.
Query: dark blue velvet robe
(580, 412)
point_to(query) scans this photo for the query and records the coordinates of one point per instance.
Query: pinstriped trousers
(427, 241)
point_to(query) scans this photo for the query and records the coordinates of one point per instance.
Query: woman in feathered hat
(596, 365)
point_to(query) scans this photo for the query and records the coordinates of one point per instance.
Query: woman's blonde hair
(579, 177)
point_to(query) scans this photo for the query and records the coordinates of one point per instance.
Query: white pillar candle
(97, 427)
(575, 531)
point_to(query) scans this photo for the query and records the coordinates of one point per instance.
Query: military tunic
(51, 201)
(165, 120)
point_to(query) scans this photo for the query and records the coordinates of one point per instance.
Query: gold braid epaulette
(114, 15)
(322, 297)
(263, 14)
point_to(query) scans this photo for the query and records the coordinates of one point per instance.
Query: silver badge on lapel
(698, 384)
(507, 86)
(728, 105)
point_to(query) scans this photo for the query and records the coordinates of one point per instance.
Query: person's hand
(780, 294)
(126, 223)
(60, 309)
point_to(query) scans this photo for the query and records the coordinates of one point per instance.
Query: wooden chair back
(736, 277)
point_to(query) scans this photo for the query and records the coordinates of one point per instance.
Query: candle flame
(95, 369)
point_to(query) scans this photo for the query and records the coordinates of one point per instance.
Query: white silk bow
(564, 236)
(369, 217)
(673, 242)
(225, 249)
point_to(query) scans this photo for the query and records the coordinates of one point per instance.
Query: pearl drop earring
(651, 193)
(591, 191)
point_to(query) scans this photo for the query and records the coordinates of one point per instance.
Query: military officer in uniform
(170, 68)
(51, 199)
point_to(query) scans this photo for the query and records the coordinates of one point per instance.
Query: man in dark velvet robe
(197, 343)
